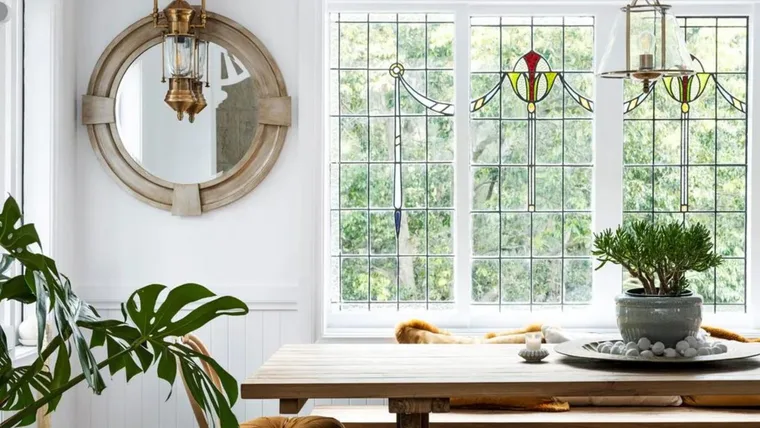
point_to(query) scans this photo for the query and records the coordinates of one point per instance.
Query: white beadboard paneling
(254, 357)
(236, 347)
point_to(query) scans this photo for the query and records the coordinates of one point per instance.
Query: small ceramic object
(658, 348)
(619, 343)
(682, 346)
(644, 344)
(690, 353)
(670, 353)
(647, 354)
(605, 349)
(617, 350)
(27, 331)
(533, 356)
(703, 351)
(631, 345)
(692, 341)
(632, 353)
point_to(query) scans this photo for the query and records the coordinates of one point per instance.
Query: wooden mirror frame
(274, 118)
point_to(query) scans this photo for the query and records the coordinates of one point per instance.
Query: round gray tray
(585, 349)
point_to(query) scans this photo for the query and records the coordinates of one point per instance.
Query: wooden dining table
(419, 379)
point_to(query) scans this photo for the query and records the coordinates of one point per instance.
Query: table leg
(415, 412)
(416, 420)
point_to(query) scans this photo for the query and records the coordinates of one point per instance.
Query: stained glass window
(685, 151)
(391, 161)
(531, 135)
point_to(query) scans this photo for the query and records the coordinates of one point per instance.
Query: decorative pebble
(644, 344)
(690, 347)
(719, 348)
(692, 341)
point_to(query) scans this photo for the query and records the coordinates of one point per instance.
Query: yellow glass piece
(685, 107)
(479, 103)
(531, 208)
(684, 208)
(531, 107)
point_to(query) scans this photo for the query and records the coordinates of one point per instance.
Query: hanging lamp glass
(201, 73)
(646, 45)
(180, 22)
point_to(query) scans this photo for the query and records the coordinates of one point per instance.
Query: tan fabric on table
(304, 422)
(276, 422)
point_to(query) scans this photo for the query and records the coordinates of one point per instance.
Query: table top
(408, 371)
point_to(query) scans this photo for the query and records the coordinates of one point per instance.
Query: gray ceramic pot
(663, 319)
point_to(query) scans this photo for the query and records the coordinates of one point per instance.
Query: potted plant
(658, 257)
(147, 335)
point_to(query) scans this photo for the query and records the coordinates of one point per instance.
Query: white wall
(259, 249)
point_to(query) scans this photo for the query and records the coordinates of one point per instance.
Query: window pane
(531, 239)
(392, 152)
(686, 157)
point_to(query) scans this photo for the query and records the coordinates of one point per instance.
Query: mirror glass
(180, 151)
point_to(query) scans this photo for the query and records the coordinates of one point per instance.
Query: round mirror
(180, 151)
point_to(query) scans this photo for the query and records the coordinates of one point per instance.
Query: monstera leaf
(42, 285)
(149, 335)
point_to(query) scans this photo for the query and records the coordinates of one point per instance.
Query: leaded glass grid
(531, 134)
(391, 162)
(685, 152)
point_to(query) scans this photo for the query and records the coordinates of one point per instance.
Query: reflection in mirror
(183, 152)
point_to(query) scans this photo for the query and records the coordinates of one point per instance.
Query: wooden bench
(582, 417)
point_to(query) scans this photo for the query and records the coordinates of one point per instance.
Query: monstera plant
(154, 317)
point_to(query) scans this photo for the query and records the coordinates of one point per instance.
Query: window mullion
(608, 171)
(753, 182)
(462, 183)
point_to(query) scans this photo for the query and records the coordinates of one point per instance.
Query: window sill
(23, 354)
(386, 335)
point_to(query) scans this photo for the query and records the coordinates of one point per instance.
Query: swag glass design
(685, 151)
(391, 166)
(531, 161)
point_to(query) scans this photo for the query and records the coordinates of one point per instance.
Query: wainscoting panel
(241, 344)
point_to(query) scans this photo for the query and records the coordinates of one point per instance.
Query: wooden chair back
(197, 345)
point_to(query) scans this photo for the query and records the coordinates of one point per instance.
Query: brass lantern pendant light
(184, 54)
(646, 45)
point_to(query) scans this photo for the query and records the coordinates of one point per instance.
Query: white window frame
(607, 177)
(11, 127)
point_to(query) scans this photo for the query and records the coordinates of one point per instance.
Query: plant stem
(18, 417)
